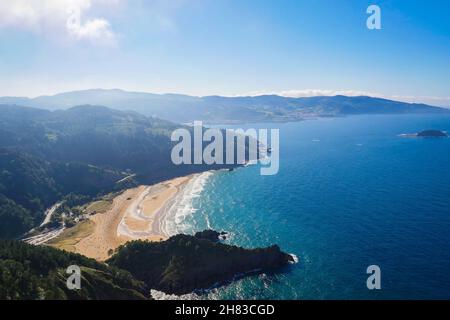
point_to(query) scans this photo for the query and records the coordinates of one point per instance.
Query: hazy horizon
(288, 94)
(293, 48)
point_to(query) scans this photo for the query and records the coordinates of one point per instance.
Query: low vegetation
(99, 206)
(71, 236)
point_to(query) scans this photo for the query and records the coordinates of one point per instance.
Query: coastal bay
(137, 213)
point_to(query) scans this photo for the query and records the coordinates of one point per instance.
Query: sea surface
(350, 193)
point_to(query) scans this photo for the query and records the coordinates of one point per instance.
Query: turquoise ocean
(350, 193)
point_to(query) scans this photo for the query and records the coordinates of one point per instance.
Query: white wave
(294, 257)
(229, 236)
(159, 295)
(182, 206)
(208, 224)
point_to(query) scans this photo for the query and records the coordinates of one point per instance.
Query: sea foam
(183, 207)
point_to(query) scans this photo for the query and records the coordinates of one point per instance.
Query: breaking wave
(182, 206)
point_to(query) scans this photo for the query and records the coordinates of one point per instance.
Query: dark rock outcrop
(211, 235)
(432, 134)
(184, 263)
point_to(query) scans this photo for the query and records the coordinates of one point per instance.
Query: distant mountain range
(217, 109)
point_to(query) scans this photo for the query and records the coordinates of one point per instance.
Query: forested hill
(93, 135)
(84, 150)
(39, 272)
(29, 185)
(180, 264)
(89, 134)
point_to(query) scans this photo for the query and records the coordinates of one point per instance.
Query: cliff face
(185, 263)
(211, 235)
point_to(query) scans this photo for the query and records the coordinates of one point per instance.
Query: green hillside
(36, 273)
(84, 151)
(184, 263)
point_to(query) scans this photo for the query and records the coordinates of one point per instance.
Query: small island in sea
(432, 133)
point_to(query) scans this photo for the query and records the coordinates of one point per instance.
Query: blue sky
(227, 47)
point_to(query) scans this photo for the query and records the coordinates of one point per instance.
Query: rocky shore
(186, 263)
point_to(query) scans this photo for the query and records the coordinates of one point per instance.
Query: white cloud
(431, 100)
(95, 29)
(69, 18)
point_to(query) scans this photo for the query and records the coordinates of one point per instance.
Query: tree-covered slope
(96, 136)
(184, 263)
(29, 185)
(85, 150)
(88, 134)
(178, 265)
(30, 272)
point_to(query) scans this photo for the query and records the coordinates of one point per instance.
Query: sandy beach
(137, 213)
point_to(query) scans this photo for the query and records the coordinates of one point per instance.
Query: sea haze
(350, 193)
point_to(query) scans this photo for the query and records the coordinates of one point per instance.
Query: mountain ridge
(220, 109)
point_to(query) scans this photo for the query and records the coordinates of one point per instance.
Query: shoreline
(138, 213)
(181, 206)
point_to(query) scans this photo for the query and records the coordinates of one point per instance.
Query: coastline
(181, 205)
(144, 213)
